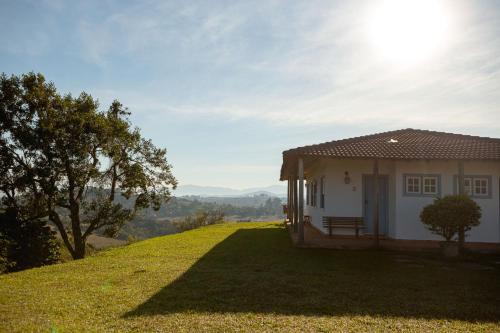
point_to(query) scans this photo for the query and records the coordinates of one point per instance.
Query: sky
(226, 86)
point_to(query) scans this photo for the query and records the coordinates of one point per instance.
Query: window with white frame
(413, 185)
(422, 185)
(481, 187)
(475, 186)
(430, 185)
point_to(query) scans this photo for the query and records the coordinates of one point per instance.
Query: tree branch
(54, 217)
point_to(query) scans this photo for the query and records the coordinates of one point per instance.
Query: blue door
(368, 198)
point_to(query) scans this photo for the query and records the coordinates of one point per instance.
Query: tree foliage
(446, 215)
(200, 219)
(25, 244)
(62, 158)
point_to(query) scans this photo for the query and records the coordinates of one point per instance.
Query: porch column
(461, 190)
(295, 206)
(290, 209)
(301, 201)
(461, 183)
(288, 200)
(376, 202)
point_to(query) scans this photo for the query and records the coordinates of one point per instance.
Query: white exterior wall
(408, 208)
(403, 211)
(346, 199)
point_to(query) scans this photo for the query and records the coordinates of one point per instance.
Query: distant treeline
(251, 200)
(150, 223)
(258, 206)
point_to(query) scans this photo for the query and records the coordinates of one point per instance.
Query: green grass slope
(248, 277)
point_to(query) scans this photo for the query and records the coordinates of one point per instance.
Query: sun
(407, 32)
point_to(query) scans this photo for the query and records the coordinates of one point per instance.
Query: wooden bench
(344, 222)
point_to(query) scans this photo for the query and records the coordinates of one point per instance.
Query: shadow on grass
(258, 270)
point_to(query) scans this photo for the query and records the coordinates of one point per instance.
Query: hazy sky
(226, 86)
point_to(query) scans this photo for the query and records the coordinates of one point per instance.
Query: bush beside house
(447, 215)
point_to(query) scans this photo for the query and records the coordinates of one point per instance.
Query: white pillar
(301, 201)
(288, 197)
(376, 202)
(461, 190)
(461, 182)
(295, 205)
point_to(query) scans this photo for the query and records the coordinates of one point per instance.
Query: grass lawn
(248, 277)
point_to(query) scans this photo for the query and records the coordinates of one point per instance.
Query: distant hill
(210, 191)
(248, 204)
(150, 223)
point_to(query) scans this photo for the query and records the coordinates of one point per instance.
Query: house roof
(405, 144)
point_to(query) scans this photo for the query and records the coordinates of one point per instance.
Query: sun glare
(409, 31)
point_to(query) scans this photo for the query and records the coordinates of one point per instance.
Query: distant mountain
(262, 193)
(209, 191)
(278, 190)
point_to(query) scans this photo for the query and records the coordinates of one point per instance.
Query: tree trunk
(78, 239)
(461, 239)
(113, 185)
(54, 217)
(79, 249)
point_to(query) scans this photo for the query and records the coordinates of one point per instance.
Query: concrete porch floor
(314, 238)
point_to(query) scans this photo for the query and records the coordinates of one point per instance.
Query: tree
(62, 158)
(447, 215)
(25, 244)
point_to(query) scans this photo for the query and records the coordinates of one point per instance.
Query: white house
(413, 167)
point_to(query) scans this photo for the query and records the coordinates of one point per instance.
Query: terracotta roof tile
(406, 144)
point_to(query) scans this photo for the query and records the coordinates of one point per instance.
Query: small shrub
(5, 264)
(132, 239)
(446, 215)
(200, 219)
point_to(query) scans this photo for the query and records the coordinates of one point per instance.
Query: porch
(313, 238)
(367, 198)
(357, 206)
